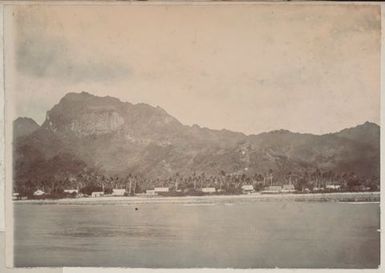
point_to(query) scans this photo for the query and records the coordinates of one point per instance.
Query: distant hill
(24, 126)
(120, 138)
(368, 133)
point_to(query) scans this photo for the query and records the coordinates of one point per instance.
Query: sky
(248, 68)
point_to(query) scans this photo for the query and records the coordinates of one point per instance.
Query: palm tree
(271, 177)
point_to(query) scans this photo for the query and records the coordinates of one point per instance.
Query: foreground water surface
(230, 233)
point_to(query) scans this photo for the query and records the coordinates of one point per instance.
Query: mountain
(368, 133)
(24, 126)
(120, 138)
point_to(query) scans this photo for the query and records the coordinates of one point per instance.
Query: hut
(97, 194)
(247, 189)
(71, 191)
(208, 190)
(38, 193)
(272, 190)
(288, 188)
(161, 189)
(118, 192)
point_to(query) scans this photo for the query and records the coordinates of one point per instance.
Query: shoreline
(299, 197)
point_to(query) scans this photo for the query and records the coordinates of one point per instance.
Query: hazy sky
(248, 68)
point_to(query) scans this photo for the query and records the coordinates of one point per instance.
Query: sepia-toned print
(193, 136)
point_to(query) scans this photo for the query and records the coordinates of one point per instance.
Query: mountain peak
(25, 119)
(368, 132)
(281, 132)
(82, 93)
(365, 125)
(84, 114)
(369, 123)
(88, 97)
(23, 126)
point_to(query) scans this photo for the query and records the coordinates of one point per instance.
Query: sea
(228, 233)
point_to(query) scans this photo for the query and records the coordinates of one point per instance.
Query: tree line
(88, 180)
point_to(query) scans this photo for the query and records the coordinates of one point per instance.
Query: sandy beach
(308, 197)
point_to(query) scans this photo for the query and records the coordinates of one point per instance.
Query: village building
(161, 189)
(38, 193)
(208, 190)
(272, 189)
(15, 196)
(247, 189)
(288, 188)
(118, 192)
(97, 194)
(71, 191)
(333, 187)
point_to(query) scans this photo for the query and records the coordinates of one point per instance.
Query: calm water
(241, 234)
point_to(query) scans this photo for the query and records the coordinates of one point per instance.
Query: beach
(306, 197)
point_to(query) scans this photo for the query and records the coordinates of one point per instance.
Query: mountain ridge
(84, 94)
(121, 138)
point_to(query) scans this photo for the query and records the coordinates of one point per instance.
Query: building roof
(161, 189)
(209, 189)
(248, 187)
(39, 192)
(333, 186)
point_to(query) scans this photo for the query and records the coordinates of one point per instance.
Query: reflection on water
(245, 234)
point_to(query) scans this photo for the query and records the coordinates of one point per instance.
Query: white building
(38, 193)
(161, 189)
(118, 192)
(247, 189)
(318, 189)
(208, 190)
(97, 194)
(333, 187)
(71, 191)
(288, 188)
(15, 196)
(272, 189)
